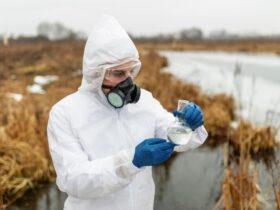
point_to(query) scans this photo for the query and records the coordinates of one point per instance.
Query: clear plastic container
(178, 132)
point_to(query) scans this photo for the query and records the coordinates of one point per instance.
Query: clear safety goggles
(122, 72)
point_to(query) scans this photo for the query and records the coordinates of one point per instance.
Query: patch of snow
(44, 80)
(35, 88)
(15, 96)
(39, 82)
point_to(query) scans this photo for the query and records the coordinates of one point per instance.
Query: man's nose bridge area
(128, 73)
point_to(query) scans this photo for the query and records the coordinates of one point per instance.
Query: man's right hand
(153, 151)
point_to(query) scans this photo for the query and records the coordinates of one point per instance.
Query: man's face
(117, 74)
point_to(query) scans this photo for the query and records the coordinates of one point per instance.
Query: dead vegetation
(244, 45)
(239, 188)
(24, 156)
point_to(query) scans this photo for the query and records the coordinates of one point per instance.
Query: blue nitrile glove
(192, 116)
(153, 151)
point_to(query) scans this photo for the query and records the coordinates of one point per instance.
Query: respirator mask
(123, 93)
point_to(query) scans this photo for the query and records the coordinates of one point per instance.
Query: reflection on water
(47, 198)
(189, 181)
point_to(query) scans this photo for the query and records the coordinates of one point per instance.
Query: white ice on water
(257, 91)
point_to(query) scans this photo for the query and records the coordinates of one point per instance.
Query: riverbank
(25, 120)
(245, 45)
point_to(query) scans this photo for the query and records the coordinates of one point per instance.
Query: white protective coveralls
(92, 144)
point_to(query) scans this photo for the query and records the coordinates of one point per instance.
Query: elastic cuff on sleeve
(131, 168)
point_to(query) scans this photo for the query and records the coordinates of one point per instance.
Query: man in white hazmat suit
(105, 137)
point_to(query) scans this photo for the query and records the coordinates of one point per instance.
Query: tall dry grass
(1, 198)
(278, 200)
(254, 46)
(262, 140)
(24, 156)
(239, 187)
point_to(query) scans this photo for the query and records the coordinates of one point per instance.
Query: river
(192, 180)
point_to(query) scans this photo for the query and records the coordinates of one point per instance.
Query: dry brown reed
(278, 200)
(246, 45)
(1, 199)
(24, 156)
(262, 139)
(24, 159)
(239, 188)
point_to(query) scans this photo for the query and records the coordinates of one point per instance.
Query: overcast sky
(143, 17)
